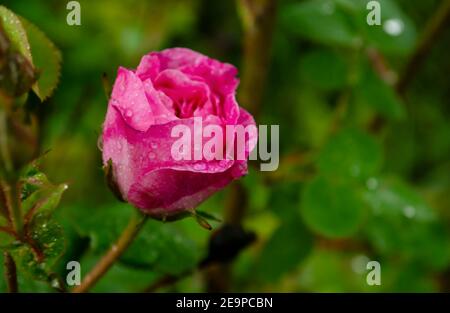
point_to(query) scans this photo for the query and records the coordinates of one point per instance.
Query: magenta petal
(167, 192)
(129, 98)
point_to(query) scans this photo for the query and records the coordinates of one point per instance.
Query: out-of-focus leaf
(350, 154)
(291, 242)
(395, 35)
(47, 60)
(258, 192)
(120, 278)
(332, 208)
(395, 198)
(324, 69)
(371, 90)
(159, 246)
(403, 224)
(320, 20)
(174, 253)
(333, 271)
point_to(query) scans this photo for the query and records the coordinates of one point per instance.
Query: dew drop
(199, 166)
(372, 183)
(359, 263)
(128, 113)
(154, 145)
(100, 143)
(328, 8)
(409, 211)
(151, 155)
(393, 27)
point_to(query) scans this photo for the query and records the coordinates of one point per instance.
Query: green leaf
(47, 60)
(46, 198)
(16, 65)
(404, 224)
(321, 21)
(16, 32)
(173, 254)
(37, 257)
(291, 242)
(376, 93)
(395, 198)
(208, 216)
(332, 208)
(37, 191)
(396, 35)
(159, 246)
(324, 69)
(350, 154)
(335, 271)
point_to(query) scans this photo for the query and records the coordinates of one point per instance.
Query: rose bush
(170, 88)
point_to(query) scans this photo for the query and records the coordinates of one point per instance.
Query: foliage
(363, 168)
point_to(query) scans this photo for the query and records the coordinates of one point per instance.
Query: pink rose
(173, 87)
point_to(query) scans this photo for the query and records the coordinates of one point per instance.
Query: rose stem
(113, 254)
(258, 17)
(10, 273)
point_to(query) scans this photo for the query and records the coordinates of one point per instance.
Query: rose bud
(170, 95)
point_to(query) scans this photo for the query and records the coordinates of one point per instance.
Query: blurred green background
(347, 190)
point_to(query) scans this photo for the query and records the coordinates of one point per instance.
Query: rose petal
(129, 98)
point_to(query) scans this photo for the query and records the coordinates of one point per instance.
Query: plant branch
(113, 254)
(434, 27)
(10, 273)
(4, 150)
(258, 17)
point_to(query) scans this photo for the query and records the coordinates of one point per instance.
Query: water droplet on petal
(154, 145)
(199, 166)
(128, 113)
(151, 155)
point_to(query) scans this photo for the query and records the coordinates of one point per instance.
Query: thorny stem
(10, 273)
(113, 254)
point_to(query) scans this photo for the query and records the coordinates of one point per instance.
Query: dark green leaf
(350, 154)
(291, 243)
(320, 20)
(332, 208)
(324, 69)
(373, 91)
